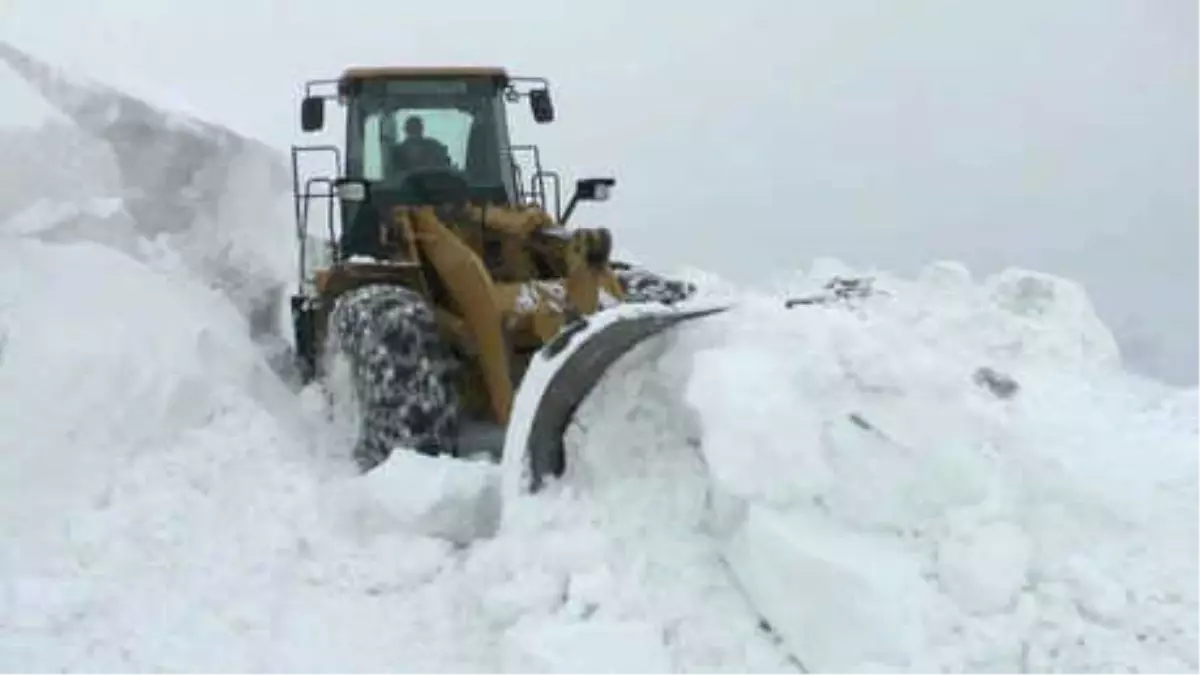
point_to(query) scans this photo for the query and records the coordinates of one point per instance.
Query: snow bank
(947, 474)
(142, 441)
(218, 200)
(166, 503)
(887, 493)
(37, 161)
(623, 537)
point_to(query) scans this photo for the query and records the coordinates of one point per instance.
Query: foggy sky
(749, 138)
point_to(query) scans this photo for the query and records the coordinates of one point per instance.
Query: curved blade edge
(578, 375)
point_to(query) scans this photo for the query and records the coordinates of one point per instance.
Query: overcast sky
(750, 137)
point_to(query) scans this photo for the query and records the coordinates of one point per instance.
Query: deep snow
(914, 519)
(167, 502)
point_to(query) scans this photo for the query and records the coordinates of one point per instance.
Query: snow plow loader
(446, 267)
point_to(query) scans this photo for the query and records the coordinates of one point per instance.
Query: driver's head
(414, 127)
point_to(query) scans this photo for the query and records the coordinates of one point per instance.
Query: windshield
(405, 139)
(401, 126)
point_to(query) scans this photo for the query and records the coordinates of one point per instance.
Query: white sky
(750, 137)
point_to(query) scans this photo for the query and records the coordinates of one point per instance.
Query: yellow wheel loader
(446, 265)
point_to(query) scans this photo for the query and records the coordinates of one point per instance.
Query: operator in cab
(417, 151)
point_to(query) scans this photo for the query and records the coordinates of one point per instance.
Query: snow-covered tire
(642, 286)
(404, 373)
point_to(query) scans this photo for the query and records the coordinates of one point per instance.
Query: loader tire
(643, 286)
(404, 373)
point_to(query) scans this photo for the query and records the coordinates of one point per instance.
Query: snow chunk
(533, 592)
(840, 601)
(443, 497)
(587, 647)
(985, 568)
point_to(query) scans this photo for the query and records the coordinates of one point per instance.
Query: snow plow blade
(566, 371)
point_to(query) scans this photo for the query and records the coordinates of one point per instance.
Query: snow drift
(124, 169)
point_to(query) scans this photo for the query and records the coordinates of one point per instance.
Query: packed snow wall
(115, 169)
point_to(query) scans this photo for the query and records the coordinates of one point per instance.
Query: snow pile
(898, 512)
(622, 544)
(168, 504)
(145, 453)
(125, 170)
(945, 474)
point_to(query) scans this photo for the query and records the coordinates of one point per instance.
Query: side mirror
(589, 190)
(312, 113)
(352, 189)
(541, 105)
(595, 189)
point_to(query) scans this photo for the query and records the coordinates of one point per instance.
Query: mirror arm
(570, 208)
(588, 189)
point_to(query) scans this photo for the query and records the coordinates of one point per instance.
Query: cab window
(384, 131)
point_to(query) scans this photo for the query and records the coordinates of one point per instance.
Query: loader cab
(461, 149)
(402, 124)
(460, 112)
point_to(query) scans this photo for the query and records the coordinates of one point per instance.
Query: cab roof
(422, 72)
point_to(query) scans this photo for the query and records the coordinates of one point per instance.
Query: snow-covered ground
(169, 504)
(847, 486)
